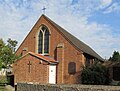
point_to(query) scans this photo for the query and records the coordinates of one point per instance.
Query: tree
(7, 53)
(0, 64)
(2, 44)
(12, 44)
(115, 57)
(95, 74)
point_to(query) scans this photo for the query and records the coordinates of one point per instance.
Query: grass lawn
(2, 88)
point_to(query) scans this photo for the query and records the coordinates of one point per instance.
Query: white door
(52, 74)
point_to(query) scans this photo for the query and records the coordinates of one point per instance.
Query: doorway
(52, 74)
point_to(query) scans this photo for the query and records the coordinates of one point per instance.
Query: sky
(95, 22)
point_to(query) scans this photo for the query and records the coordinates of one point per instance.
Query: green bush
(96, 74)
(118, 84)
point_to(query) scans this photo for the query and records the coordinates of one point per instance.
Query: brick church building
(50, 54)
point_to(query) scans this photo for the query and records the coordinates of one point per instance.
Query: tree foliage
(12, 44)
(115, 57)
(0, 64)
(7, 52)
(2, 44)
(95, 74)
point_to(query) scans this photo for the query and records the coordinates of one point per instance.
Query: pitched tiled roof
(76, 42)
(45, 58)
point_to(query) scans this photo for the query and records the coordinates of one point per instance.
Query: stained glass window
(46, 42)
(40, 43)
(43, 44)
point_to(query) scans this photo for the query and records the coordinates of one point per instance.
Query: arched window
(72, 68)
(43, 40)
(40, 43)
(46, 41)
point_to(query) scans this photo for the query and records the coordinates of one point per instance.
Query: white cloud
(115, 7)
(18, 17)
(104, 3)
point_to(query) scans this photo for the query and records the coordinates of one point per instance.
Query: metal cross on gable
(44, 10)
(29, 64)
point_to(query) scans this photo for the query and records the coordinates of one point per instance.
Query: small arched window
(72, 68)
(43, 40)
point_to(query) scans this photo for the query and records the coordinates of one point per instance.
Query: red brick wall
(69, 54)
(60, 58)
(38, 72)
